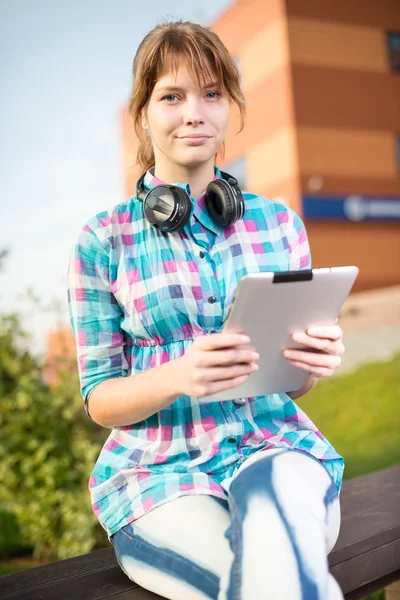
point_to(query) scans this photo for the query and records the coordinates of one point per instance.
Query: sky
(65, 72)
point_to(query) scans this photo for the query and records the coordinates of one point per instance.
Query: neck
(198, 177)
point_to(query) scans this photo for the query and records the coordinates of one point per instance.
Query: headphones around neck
(168, 207)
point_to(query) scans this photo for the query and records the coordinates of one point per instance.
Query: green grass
(359, 413)
(380, 595)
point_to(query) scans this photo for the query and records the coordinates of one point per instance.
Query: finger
(216, 374)
(314, 371)
(330, 332)
(311, 359)
(226, 384)
(232, 356)
(322, 344)
(223, 340)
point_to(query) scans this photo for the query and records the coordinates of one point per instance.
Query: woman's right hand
(215, 363)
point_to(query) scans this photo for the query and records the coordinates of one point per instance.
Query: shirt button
(201, 254)
(212, 299)
(239, 401)
(232, 440)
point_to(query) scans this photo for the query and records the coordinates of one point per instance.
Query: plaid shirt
(138, 298)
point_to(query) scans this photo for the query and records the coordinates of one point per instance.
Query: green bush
(47, 452)
(10, 535)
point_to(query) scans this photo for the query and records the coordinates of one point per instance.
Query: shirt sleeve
(299, 247)
(95, 315)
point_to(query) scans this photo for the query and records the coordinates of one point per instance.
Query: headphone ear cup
(183, 207)
(224, 207)
(168, 208)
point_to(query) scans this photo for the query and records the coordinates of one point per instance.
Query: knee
(289, 478)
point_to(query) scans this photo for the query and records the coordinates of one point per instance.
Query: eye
(168, 98)
(216, 94)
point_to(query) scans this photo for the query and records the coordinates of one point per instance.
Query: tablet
(269, 308)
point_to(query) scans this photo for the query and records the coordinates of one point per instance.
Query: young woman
(223, 500)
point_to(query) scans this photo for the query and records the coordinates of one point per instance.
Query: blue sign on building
(351, 208)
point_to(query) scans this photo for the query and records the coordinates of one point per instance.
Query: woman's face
(187, 124)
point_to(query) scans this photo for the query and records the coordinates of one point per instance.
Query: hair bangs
(202, 63)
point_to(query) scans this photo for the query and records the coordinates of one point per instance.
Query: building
(322, 83)
(60, 355)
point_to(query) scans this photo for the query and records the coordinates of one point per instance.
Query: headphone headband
(141, 191)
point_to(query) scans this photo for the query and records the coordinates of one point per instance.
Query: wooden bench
(366, 556)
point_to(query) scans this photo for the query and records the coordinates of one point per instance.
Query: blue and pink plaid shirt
(138, 298)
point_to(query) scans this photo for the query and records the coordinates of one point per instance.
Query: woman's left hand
(326, 347)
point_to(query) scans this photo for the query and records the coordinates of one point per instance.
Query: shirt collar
(199, 209)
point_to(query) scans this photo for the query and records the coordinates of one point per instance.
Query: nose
(193, 113)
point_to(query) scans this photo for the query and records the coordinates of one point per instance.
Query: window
(237, 169)
(393, 44)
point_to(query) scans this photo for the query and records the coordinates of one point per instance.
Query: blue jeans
(270, 540)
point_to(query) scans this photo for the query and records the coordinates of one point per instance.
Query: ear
(144, 120)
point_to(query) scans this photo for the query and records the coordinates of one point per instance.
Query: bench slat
(370, 568)
(370, 514)
(366, 554)
(364, 591)
(61, 572)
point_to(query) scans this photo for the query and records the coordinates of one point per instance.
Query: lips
(195, 137)
(196, 140)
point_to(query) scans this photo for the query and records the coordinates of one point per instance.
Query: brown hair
(160, 52)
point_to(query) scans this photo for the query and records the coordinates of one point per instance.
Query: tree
(47, 450)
